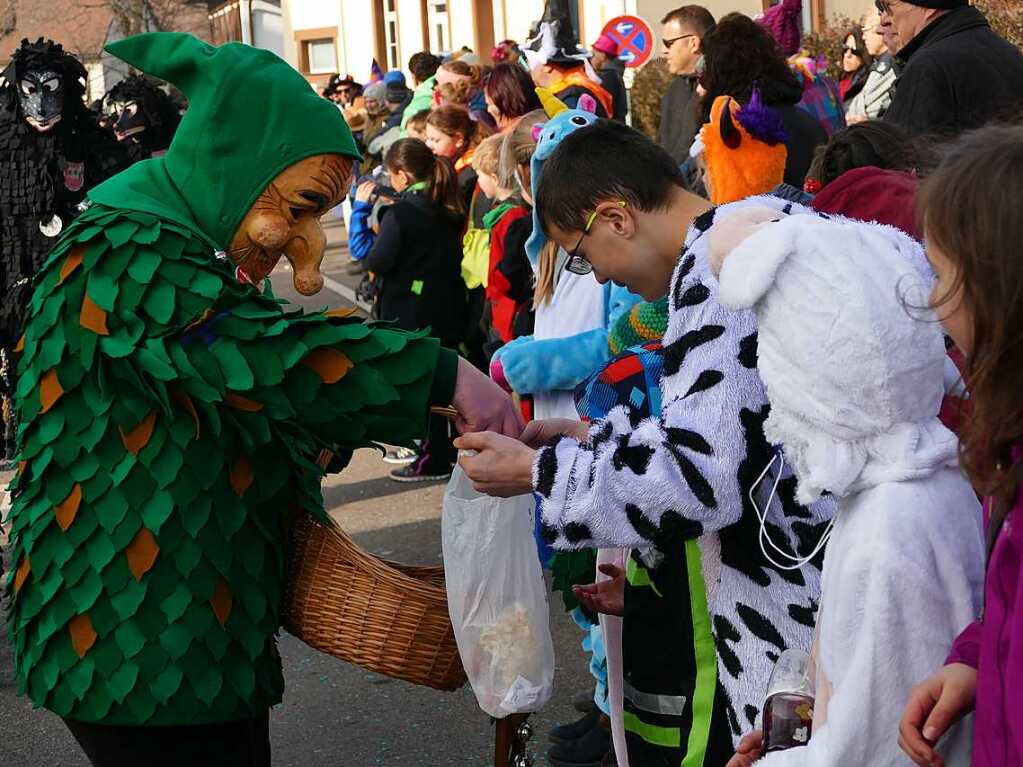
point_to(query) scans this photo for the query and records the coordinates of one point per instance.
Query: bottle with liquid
(788, 712)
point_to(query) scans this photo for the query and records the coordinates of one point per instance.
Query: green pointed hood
(250, 115)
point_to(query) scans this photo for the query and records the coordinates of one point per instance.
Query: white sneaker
(400, 455)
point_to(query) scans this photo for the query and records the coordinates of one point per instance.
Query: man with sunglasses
(959, 74)
(682, 31)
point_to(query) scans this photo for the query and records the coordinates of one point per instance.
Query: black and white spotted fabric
(688, 474)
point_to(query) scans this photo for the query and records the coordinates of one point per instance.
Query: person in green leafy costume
(171, 412)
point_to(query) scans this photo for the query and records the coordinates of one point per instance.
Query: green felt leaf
(104, 619)
(101, 551)
(155, 364)
(126, 531)
(180, 598)
(123, 468)
(50, 425)
(236, 370)
(93, 436)
(65, 451)
(143, 265)
(139, 487)
(88, 342)
(242, 678)
(126, 602)
(116, 346)
(62, 699)
(84, 468)
(58, 486)
(122, 681)
(156, 511)
(119, 233)
(195, 516)
(175, 639)
(79, 677)
(52, 348)
(148, 234)
(159, 301)
(187, 556)
(206, 680)
(110, 509)
(97, 485)
(102, 288)
(205, 365)
(86, 591)
(167, 465)
(141, 703)
(99, 700)
(106, 655)
(167, 683)
(217, 642)
(207, 284)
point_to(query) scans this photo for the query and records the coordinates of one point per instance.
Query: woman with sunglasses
(856, 63)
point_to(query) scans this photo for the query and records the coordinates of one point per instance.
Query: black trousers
(230, 744)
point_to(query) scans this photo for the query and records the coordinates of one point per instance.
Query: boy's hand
(748, 751)
(537, 434)
(933, 707)
(606, 597)
(503, 467)
(365, 191)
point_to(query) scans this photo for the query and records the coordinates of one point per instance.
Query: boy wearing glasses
(616, 201)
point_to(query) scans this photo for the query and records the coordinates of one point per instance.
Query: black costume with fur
(51, 151)
(145, 117)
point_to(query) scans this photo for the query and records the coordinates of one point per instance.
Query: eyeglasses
(851, 50)
(670, 41)
(884, 6)
(577, 264)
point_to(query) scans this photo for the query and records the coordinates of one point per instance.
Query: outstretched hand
(482, 404)
(606, 597)
(502, 466)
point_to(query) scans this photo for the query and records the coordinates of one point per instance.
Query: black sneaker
(563, 733)
(421, 471)
(587, 751)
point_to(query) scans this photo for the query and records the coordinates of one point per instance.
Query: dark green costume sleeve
(170, 419)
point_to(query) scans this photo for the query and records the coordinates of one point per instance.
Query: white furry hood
(853, 366)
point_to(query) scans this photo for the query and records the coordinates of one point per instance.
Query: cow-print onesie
(689, 473)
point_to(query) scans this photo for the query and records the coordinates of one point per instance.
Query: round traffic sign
(634, 37)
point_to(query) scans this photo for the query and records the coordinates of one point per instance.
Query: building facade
(322, 37)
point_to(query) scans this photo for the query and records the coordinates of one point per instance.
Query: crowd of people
(757, 373)
(801, 388)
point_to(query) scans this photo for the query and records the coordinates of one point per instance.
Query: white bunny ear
(751, 263)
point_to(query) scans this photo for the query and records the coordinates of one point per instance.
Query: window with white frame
(440, 25)
(321, 56)
(391, 34)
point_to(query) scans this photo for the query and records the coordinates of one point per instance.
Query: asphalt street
(335, 714)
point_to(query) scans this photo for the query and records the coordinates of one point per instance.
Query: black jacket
(613, 79)
(678, 118)
(804, 134)
(959, 75)
(418, 258)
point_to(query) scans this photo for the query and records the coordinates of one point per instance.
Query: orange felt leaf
(329, 364)
(83, 635)
(24, 568)
(242, 476)
(20, 346)
(243, 403)
(21, 467)
(340, 313)
(93, 317)
(221, 601)
(185, 401)
(73, 261)
(141, 553)
(139, 437)
(67, 509)
(50, 390)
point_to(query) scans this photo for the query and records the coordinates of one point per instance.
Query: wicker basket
(386, 617)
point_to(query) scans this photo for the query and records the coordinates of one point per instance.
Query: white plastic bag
(497, 598)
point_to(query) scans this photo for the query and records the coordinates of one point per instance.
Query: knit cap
(782, 21)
